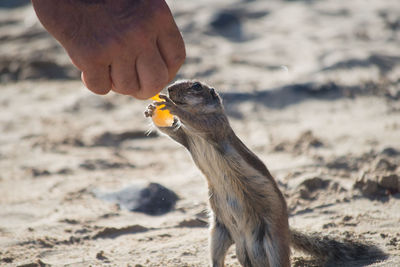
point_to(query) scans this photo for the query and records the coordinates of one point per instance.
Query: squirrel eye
(197, 86)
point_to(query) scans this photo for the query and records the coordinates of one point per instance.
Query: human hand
(129, 46)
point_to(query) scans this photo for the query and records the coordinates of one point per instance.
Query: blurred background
(312, 87)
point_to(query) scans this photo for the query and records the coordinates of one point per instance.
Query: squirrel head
(195, 97)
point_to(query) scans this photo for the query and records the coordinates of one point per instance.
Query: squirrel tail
(334, 251)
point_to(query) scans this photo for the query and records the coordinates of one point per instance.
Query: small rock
(303, 143)
(393, 241)
(351, 224)
(69, 221)
(383, 164)
(204, 214)
(82, 231)
(280, 147)
(390, 182)
(347, 218)
(112, 232)
(100, 256)
(165, 235)
(103, 164)
(337, 187)
(315, 183)
(38, 172)
(193, 223)
(33, 264)
(73, 141)
(45, 243)
(7, 259)
(306, 141)
(368, 186)
(153, 199)
(339, 163)
(38, 263)
(64, 171)
(304, 193)
(346, 200)
(346, 163)
(328, 225)
(390, 152)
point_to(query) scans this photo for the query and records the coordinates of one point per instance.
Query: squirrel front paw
(168, 104)
(149, 112)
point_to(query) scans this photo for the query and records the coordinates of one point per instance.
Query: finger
(172, 48)
(124, 75)
(97, 79)
(152, 72)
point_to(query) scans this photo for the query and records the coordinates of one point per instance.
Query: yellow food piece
(161, 118)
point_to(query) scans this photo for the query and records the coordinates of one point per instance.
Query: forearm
(176, 133)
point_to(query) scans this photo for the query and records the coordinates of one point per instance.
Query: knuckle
(96, 86)
(157, 82)
(88, 58)
(125, 90)
(139, 95)
(125, 86)
(160, 9)
(178, 59)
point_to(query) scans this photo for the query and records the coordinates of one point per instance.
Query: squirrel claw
(160, 103)
(167, 105)
(166, 98)
(149, 112)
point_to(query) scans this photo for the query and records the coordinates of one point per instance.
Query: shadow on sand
(280, 98)
(13, 3)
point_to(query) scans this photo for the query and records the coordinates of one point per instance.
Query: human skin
(132, 47)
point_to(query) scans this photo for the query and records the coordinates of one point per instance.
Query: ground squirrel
(248, 208)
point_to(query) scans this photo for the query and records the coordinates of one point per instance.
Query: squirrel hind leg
(264, 247)
(220, 242)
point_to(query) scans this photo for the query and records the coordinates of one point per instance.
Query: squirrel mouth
(178, 102)
(172, 97)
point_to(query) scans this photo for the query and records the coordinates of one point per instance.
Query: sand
(312, 87)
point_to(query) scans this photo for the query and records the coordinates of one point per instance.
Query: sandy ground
(313, 87)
